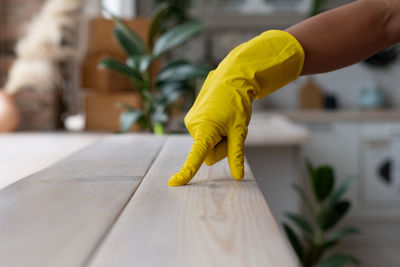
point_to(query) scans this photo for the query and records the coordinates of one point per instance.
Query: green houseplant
(177, 13)
(324, 211)
(170, 82)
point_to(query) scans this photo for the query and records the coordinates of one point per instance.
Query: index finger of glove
(193, 161)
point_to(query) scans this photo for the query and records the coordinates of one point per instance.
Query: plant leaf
(300, 222)
(133, 62)
(342, 207)
(139, 62)
(323, 180)
(129, 118)
(176, 36)
(334, 237)
(170, 92)
(294, 241)
(125, 43)
(304, 197)
(181, 71)
(125, 106)
(337, 261)
(134, 39)
(341, 233)
(123, 69)
(157, 16)
(328, 217)
(159, 115)
(342, 188)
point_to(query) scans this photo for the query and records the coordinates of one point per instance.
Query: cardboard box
(103, 80)
(101, 44)
(101, 38)
(102, 111)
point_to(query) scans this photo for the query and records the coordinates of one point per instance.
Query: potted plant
(158, 92)
(177, 13)
(324, 211)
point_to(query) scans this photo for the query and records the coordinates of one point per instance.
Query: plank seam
(107, 232)
(25, 178)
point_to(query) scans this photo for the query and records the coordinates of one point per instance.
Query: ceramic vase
(9, 115)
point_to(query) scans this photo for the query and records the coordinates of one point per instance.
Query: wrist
(391, 14)
(283, 58)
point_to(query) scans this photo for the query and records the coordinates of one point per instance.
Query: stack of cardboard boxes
(104, 88)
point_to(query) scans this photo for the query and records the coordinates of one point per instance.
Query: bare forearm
(348, 34)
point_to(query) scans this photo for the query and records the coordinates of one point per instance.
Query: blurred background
(227, 24)
(88, 36)
(61, 64)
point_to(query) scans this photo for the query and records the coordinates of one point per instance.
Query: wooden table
(109, 205)
(22, 154)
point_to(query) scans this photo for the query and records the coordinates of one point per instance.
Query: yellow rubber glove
(220, 116)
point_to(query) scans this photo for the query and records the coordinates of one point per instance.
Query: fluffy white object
(33, 73)
(50, 30)
(47, 42)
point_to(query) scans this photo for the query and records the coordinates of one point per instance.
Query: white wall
(346, 84)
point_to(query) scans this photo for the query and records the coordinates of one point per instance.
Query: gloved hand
(221, 113)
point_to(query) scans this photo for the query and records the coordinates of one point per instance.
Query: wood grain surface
(212, 221)
(123, 157)
(58, 216)
(25, 153)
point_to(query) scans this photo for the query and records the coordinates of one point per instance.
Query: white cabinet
(362, 149)
(276, 168)
(368, 151)
(380, 167)
(273, 153)
(335, 144)
(378, 171)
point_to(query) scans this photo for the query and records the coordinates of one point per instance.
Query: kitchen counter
(341, 115)
(271, 129)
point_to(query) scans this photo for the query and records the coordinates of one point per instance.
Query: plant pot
(9, 114)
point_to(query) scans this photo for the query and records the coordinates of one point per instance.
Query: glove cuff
(265, 63)
(286, 57)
